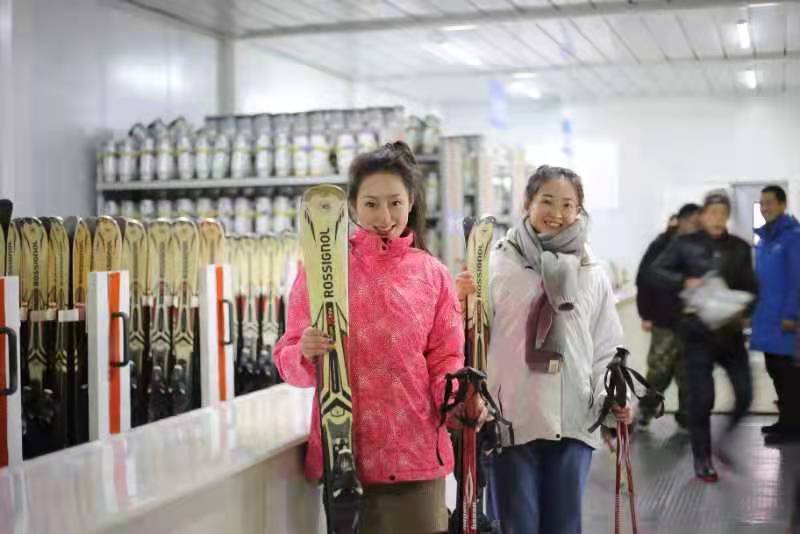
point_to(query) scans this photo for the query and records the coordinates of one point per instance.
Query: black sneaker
(704, 470)
(771, 429)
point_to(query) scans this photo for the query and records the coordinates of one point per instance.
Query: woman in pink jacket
(406, 334)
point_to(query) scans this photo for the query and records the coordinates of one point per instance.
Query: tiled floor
(756, 498)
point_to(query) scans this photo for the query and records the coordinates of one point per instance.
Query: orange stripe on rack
(3, 399)
(115, 400)
(221, 367)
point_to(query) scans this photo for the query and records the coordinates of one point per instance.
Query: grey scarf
(557, 259)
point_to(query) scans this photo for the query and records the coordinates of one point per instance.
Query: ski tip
(323, 190)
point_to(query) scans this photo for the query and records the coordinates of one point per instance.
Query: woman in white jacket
(555, 329)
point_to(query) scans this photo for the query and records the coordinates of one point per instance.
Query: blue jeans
(536, 488)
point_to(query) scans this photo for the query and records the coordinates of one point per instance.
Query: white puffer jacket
(551, 406)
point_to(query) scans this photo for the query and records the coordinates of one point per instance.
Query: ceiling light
(459, 28)
(749, 79)
(744, 34)
(461, 55)
(755, 5)
(524, 75)
(525, 89)
(435, 49)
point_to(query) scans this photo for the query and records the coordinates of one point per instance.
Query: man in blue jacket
(775, 320)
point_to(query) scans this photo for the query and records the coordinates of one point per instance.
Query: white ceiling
(577, 49)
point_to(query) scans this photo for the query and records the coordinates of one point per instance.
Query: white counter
(235, 467)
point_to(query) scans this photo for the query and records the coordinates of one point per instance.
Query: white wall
(661, 152)
(82, 67)
(267, 82)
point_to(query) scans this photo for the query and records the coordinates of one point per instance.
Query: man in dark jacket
(775, 318)
(687, 259)
(660, 310)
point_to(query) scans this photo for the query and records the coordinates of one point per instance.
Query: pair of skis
(51, 256)
(323, 237)
(470, 444)
(260, 271)
(173, 260)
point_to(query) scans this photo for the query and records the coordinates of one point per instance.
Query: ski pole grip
(125, 346)
(228, 304)
(13, 363)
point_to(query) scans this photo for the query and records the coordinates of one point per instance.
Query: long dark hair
(544, 174)
(398, 159)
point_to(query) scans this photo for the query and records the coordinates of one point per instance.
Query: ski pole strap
(462, 378)
(617, 380)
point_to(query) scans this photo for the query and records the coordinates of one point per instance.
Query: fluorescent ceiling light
(525, 89)
(744, 34)
(755, 5)
(459, 28)
(435, 49)
(524, 75)
(451, 53)
(749, 79)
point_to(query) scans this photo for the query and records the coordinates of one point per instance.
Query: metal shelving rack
(218, 184)
(455, 151)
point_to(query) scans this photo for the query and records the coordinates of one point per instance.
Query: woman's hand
(623, 414)
(465, 285)
(455, 417)
(314, 343)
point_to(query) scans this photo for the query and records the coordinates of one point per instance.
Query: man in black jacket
(681, 266)
(660, 310)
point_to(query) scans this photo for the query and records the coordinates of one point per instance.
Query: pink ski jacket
(406, 333)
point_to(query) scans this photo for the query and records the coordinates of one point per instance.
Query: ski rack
(109, 371)
(216, 334)
(10, 374)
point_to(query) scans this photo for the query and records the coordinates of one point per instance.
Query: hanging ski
(134, 260)
(324, 243)
(6, 209)
(38, 406)
(186, 254)
(249, 283)
(58, 328)
(238, 264)
(81, 238)
(212, 242)
(159, 262)
(267, 327)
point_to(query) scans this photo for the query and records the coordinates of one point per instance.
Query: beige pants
(404, 508)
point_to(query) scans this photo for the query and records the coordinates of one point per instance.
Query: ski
(6, 209)
(468, 517)
(12, 252)
(58, 266)
(82, 246)
(288, 260)
(159, 237)
(325, 253)
(134, 260)
(238, 261)
(267, 316)
(212, 242)
(250, 334)
(107, 246)
(186, 255)
(37, 399)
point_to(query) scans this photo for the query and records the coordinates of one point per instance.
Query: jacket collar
(776, 228)
(370, 245)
